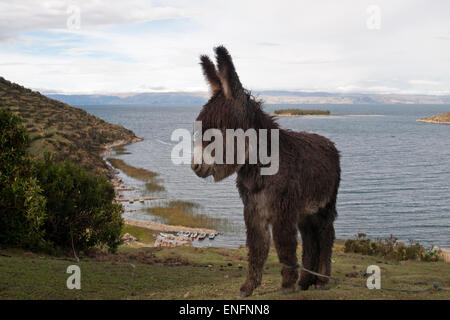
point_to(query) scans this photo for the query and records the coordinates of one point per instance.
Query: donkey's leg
(326, 240)
(310, 254)
(258, 242)
(285, 239)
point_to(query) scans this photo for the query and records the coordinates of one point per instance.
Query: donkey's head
(230, 107)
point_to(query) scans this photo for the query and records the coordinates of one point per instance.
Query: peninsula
(443, 118)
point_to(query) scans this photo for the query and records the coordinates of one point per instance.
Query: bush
(45, 204)
(22, 206)
(389, 248)
(80, 212)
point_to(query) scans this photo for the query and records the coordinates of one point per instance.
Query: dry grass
(441, 118)
(120, 150)
(185, 213)
(152, 182)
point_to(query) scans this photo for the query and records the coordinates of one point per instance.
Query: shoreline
(107, 148)
(119, 186)
(165, 227)
(433, 121)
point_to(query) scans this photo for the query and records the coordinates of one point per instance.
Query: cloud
(27, 15)
(424, 82)
(132, 45)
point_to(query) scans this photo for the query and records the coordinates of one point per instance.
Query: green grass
(183, 273)
(301, 112)
(142, 234)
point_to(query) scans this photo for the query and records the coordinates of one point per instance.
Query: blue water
(395, 171)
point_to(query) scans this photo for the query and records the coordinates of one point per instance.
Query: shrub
(389, 248)
(79, 206)
(22, 206)
(45, 204)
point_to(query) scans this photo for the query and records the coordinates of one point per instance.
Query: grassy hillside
(56, 127)
(441, 118)
(201, 273)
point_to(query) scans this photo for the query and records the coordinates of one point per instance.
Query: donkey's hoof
(244, 294)
(303, 287)
(288, 290)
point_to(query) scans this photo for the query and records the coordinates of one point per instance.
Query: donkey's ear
(231, 85)
(209, 70)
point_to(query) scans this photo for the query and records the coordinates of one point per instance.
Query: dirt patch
(142, 256)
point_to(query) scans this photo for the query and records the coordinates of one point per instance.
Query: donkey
(301, 196)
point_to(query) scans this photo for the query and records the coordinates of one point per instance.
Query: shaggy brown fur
(300, 197)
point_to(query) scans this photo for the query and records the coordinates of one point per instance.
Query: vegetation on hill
(68, 132)
(51, 205)
(301, 112)
(22, 206)
(441, 118)
(80, 209)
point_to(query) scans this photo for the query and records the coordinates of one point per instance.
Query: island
(443, 118)
(301, 112)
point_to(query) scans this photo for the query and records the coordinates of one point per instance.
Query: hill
(440, 119)
(68, 132)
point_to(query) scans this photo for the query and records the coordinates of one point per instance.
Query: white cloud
(18, 16)
(294, 45)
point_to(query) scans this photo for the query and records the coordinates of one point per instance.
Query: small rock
(128, 238)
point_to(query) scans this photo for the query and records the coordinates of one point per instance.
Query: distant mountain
(269, 96)
(139, 98)
(68, 132)
(287, 97)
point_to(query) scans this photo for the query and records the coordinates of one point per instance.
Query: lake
(395, 171)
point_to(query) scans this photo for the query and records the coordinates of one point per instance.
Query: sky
(116, 46)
